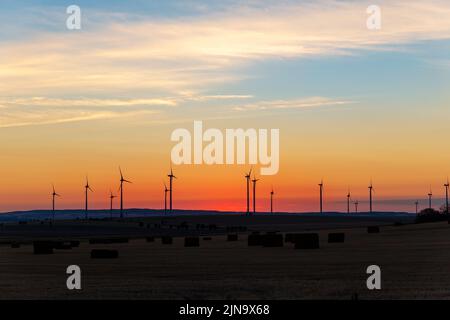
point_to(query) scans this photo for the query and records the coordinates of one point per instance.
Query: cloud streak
(306, 103)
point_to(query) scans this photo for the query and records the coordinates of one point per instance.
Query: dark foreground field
(414, 260)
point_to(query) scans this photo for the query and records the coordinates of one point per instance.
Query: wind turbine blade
(121, 175)
(127, 181)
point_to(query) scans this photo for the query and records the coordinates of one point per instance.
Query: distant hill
(134, 213)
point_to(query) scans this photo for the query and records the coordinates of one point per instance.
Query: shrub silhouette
(430, 215)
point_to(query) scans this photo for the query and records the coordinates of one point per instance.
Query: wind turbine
(446, 196)
(87, 188)
(122, 180)
(111, 197)
(370, 196)
(54, 194)
(356, 206)
(247, 177)
(171, 176)
(348, 201)
(271, 200)
(417, 206)
(430, 195)
(321, 194)
(254, 194)
(165, 197)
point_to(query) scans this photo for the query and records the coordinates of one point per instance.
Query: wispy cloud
(25, 118)
(311, 102)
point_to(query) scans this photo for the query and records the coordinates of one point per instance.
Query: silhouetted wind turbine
(254, 194)
(165, 197)
(87, 188)
(446, 196)
(271, 200)
(348, 201)
(111, 197)
(54, 194)
(247, 177)
(430, 195)
(417, 206)
(356, 206)
(321, 194)
(171, 176)
(370, 196)
(122, 180)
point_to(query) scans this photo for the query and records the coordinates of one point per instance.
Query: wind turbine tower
(87, 188)
(122, 180)
(165, 198)
(321, 194)
(111, 197)
(254, 194)
(370, 196)
(247, 177)
(171, 176)
(417, 206)
(430, 195)
(446, 196)
(271, 200)
(54, 194)
(348, 201)
(356, 206)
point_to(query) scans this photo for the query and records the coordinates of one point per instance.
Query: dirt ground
(414, 261)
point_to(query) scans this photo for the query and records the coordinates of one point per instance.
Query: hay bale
(15, 245)
(373, 229)
(74, 243)
(150, 239)
(62, 245)
(207, 238)
(108, 240)
(254, 240)
(272, 240)
(306, 241)
(336, 237)
(289, 238)
(232, 237)
(166, 240)
(96, 241)
(43, 247)
(191, 242)
(120, 240)
(104, 254)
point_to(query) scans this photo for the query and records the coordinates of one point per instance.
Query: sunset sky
(352, 104)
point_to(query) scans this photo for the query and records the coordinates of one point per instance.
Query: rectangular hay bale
(306, 241)
(191, 242)
(104, 254)
(373, 229)
(336, 237)
(166, 240)
(43, 247)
